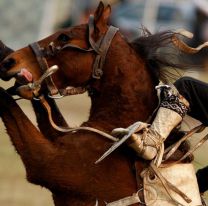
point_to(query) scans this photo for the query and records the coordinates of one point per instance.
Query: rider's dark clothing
(202, 178)
(196, 92)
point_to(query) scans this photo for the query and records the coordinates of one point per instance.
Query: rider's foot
(147, 143)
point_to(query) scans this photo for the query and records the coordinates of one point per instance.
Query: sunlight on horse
(125, 93)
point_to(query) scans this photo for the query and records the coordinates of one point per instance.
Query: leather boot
(171, 112)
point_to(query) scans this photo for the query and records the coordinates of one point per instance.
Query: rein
(67, 129)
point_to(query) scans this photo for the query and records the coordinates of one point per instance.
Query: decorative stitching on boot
(173, 102)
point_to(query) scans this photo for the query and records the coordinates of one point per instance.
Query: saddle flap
(182, 176)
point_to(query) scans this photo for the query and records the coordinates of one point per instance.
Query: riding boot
(172, 109)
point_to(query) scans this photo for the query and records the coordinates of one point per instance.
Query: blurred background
(23, 22)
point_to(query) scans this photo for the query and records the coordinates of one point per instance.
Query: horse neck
(127, 92)
(68, 199)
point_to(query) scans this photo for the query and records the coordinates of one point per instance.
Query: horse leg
(42, 118)
(34, 149)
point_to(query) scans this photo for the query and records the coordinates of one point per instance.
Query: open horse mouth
(24, 76)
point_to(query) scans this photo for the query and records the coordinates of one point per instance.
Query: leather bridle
(100, 47)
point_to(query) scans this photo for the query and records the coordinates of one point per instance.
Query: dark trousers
(196, 92)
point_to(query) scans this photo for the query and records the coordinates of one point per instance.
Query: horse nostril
(9, 63)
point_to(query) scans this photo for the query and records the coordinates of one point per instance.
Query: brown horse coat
(65, 163)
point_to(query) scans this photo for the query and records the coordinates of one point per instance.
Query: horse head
(73, 50)
(95, 57)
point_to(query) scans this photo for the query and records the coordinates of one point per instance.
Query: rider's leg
(172, 109)
(196, 92)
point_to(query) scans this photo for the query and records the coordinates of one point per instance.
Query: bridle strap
(100, 47)
(75, 47)
(103, 48)
(93, 44)
(44, 66)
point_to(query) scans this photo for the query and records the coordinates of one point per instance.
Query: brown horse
(65, 163)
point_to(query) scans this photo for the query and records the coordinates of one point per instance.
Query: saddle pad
(181, 176)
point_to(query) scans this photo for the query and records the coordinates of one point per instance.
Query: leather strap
(44, 66)
(169, 186)
(101, 57)
(76, 47)
(67, 129)
(101, 47)
(95, 46)
(202, 141)
(172, 149)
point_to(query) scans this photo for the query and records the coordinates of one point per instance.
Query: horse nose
(6, 65)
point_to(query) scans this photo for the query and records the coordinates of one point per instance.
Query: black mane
(158, 52)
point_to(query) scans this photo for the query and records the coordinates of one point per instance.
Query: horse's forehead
(76, 31)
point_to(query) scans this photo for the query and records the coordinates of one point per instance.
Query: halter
(100, 47)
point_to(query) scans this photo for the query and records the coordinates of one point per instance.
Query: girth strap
(44, 66)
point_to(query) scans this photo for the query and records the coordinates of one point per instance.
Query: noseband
(100, 47)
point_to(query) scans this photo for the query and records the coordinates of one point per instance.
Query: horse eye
(9, 63)
(63, 37)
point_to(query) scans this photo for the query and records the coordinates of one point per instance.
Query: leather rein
(100, 47)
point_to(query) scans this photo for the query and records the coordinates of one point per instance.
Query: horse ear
(99, 11)
(101, 17)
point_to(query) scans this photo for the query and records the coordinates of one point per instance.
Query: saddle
(168, 181)
(173, 183)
